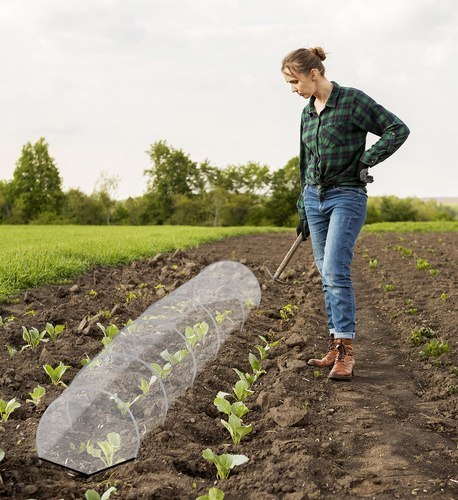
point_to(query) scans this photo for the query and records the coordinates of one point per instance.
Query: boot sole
(342, 377)
(320, 365)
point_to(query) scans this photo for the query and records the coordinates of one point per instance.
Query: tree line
(178, 191)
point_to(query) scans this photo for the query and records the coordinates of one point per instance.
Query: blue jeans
(335, 217)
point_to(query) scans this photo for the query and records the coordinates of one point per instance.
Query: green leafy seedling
(160, 371)
(224, 463)
(444, 296)
(11, 350)
(287, 312)
(241, 390)
(33, 337)
(145, 386)
(36, 395)
(54, 331)
(256, 365)
(176, 358)
(107, 449)
(55, 374)
(7, 408)
(420, 334)
(109, 333)
(389, 288)
(238, 408)
(373, 263)
(213, 494)
(236, 428)
(221, 316)
(85, 360)
(422, 264)
(435, 348)
(195, 334)
(269, 345)
(249, 378)
(93, 495)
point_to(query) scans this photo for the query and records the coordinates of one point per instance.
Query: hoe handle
(288, 256)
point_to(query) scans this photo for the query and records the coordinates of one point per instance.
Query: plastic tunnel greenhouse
(126, 390)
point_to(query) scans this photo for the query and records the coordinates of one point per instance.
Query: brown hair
(304, 60)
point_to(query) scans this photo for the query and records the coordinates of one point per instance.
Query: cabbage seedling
(422, 264)
(36, 395)
(236, 428)
(109, 333)
(176, 358)
(241, 390)
(7, 408)
(145, 386)
(33, 337)
(11, 350)
(213, 494)
(249, 378)
(255, 365)
(221, 316)
(196, 333)
(224, 463)
(54, 331)
(93, 495)
(238, 408)
(268, 345)
(107, 449)
(55, 374)
(160, 371)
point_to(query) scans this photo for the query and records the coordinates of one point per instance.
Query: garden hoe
(284, 263)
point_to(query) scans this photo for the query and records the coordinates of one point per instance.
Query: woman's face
(304, 85)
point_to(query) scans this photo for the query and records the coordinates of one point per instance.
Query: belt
(322, 187)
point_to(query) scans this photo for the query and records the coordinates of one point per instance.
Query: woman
(334, 165)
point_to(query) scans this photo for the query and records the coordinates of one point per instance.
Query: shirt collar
(331, 102)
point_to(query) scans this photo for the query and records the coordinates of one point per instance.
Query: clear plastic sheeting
(126, 390)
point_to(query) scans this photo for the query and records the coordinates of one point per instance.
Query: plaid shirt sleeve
(374, 118)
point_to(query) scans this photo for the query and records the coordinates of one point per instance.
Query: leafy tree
(79, 208)
(133, 211)
(250, 178)
(5, 200)
(281, 207)
(36, 185)
(172, 172)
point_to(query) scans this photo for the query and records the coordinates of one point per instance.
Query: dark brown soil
(389, 433)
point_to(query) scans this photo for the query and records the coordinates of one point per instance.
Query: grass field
(36, 255)
(407, 227)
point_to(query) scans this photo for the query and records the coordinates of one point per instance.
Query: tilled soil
(391, 432)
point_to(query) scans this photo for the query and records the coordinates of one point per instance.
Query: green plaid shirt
(333, 142)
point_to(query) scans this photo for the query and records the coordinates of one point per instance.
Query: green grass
(31, 256)
(407, 227)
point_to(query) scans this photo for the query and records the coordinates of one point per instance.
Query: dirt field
(389, 433)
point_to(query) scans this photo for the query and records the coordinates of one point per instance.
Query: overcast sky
(102, 80)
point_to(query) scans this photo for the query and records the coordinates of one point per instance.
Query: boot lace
(342, 352)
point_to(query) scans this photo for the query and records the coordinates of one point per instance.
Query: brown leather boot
(344, 363)
(329, 359)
